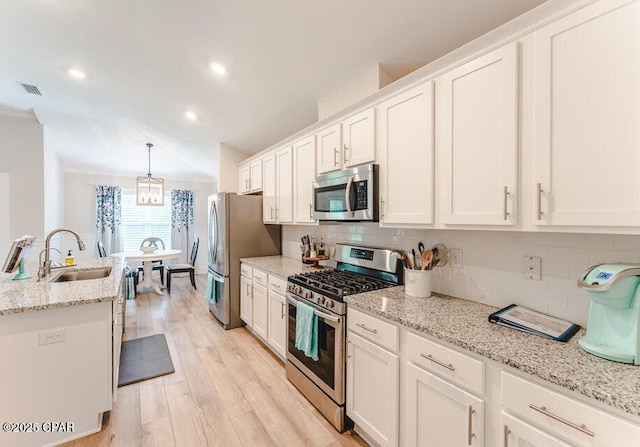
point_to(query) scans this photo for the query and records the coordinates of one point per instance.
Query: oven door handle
(316, 312)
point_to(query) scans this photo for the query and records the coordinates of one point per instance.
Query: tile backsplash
(491, 270)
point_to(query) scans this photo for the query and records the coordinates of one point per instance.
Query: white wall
(492, 261)
(21, 157)
(53, 192)
(228, 168)
(80, 209)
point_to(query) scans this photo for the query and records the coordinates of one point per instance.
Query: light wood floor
(227, 390)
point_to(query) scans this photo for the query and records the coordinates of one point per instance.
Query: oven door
(328, 372)
(350, 194)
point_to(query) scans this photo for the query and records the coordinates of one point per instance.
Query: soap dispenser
(70, 260)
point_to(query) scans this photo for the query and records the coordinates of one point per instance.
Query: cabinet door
(246, 301)
(329, 149)
(372, 389)
(406, 157)
(586, 115)
(284, 188)
(260, 311)
(244, 176)
(438, 414)
(277, 323)
(304, 171)
(255, 182)
(269, 189)
(358, 139)
(478, 139)
(517, 433)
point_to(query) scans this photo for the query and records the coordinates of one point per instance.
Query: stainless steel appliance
(236, 230)
(359, 269)
(349, 194)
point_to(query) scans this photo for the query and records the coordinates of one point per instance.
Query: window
(140, 222)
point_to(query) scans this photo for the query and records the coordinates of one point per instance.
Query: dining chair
(102, 252)
(157, 265)
(185, 268)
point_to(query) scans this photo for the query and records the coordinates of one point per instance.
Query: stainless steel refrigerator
(236, 230)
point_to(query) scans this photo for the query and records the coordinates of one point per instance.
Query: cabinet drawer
(259, 277)
(456, 367)
(277, 284)
(558, 414)
(246, 271)
(374, 329)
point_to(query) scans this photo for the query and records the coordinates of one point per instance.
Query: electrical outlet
(531, 267)
(53, 336)
(456, 258)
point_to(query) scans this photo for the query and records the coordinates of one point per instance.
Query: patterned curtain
(182, 228)
(108, 217)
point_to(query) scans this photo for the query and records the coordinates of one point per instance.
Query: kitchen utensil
(421, 247)
(410, 263)
(427, 257)
(440, 255)
(418, 261)
(415, 260)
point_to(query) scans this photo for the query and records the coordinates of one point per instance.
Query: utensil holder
(417, 283)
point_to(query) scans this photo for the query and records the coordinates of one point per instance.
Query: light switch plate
(531, 267)
(455, 258)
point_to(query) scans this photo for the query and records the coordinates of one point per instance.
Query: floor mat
(144, 358)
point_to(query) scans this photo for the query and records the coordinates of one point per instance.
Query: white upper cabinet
(477, 139)
(284, 185)
(304, 170)
(348, 143)
(269, 189)
(250, 177)
(406, 156)
(586, 117)
(358, 139)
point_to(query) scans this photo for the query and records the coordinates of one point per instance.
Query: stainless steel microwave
(349, 194)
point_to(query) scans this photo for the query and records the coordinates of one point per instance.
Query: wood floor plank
(228, 389)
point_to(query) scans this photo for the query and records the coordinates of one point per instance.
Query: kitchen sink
(82, 275)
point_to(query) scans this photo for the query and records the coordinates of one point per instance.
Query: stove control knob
(297, 290)
(308, 294)
(328, 304)
(291, 287)
(320, 299)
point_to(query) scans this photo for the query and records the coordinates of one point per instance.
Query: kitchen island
(59, 342)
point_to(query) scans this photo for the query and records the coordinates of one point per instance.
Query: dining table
(147, 264)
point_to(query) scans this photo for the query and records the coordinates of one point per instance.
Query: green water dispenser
(614, 315)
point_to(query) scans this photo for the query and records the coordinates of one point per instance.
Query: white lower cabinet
(438, 414)
(517, 433)
(277, 338)
(246, 300)
(260, 311)
(564, 417)
(372, 390)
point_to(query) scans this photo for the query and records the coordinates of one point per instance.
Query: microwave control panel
(361, 195)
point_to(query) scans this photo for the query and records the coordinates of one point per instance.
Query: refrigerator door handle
(214, 232)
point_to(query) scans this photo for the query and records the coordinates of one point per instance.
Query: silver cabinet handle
(335, 156)
(249, 183)
(310, 211)
(344, 154)
(540, 191)
(505, 216)
(373, 331)
(381, 208)
(271, 213)
(581, 428)
(282, 310)
(246, 183)
(505, 436)
(277, 286)
(348, 343)
(276, 213)
(470, 433)
(438, 362)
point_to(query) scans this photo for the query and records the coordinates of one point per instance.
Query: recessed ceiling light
(78, 74)
(190, 115)
(218, 69)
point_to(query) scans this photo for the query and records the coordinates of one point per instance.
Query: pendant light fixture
(149, 190)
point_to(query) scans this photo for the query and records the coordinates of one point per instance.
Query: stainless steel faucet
(45, 269)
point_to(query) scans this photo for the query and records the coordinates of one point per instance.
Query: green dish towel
(208, 293)
(307, 330)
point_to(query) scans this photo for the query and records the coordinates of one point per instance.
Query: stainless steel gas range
(359, 269)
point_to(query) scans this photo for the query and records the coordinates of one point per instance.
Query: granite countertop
(281, 266)
(30, 295)
(465, 324)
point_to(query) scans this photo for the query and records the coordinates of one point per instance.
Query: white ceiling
(147, 62)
